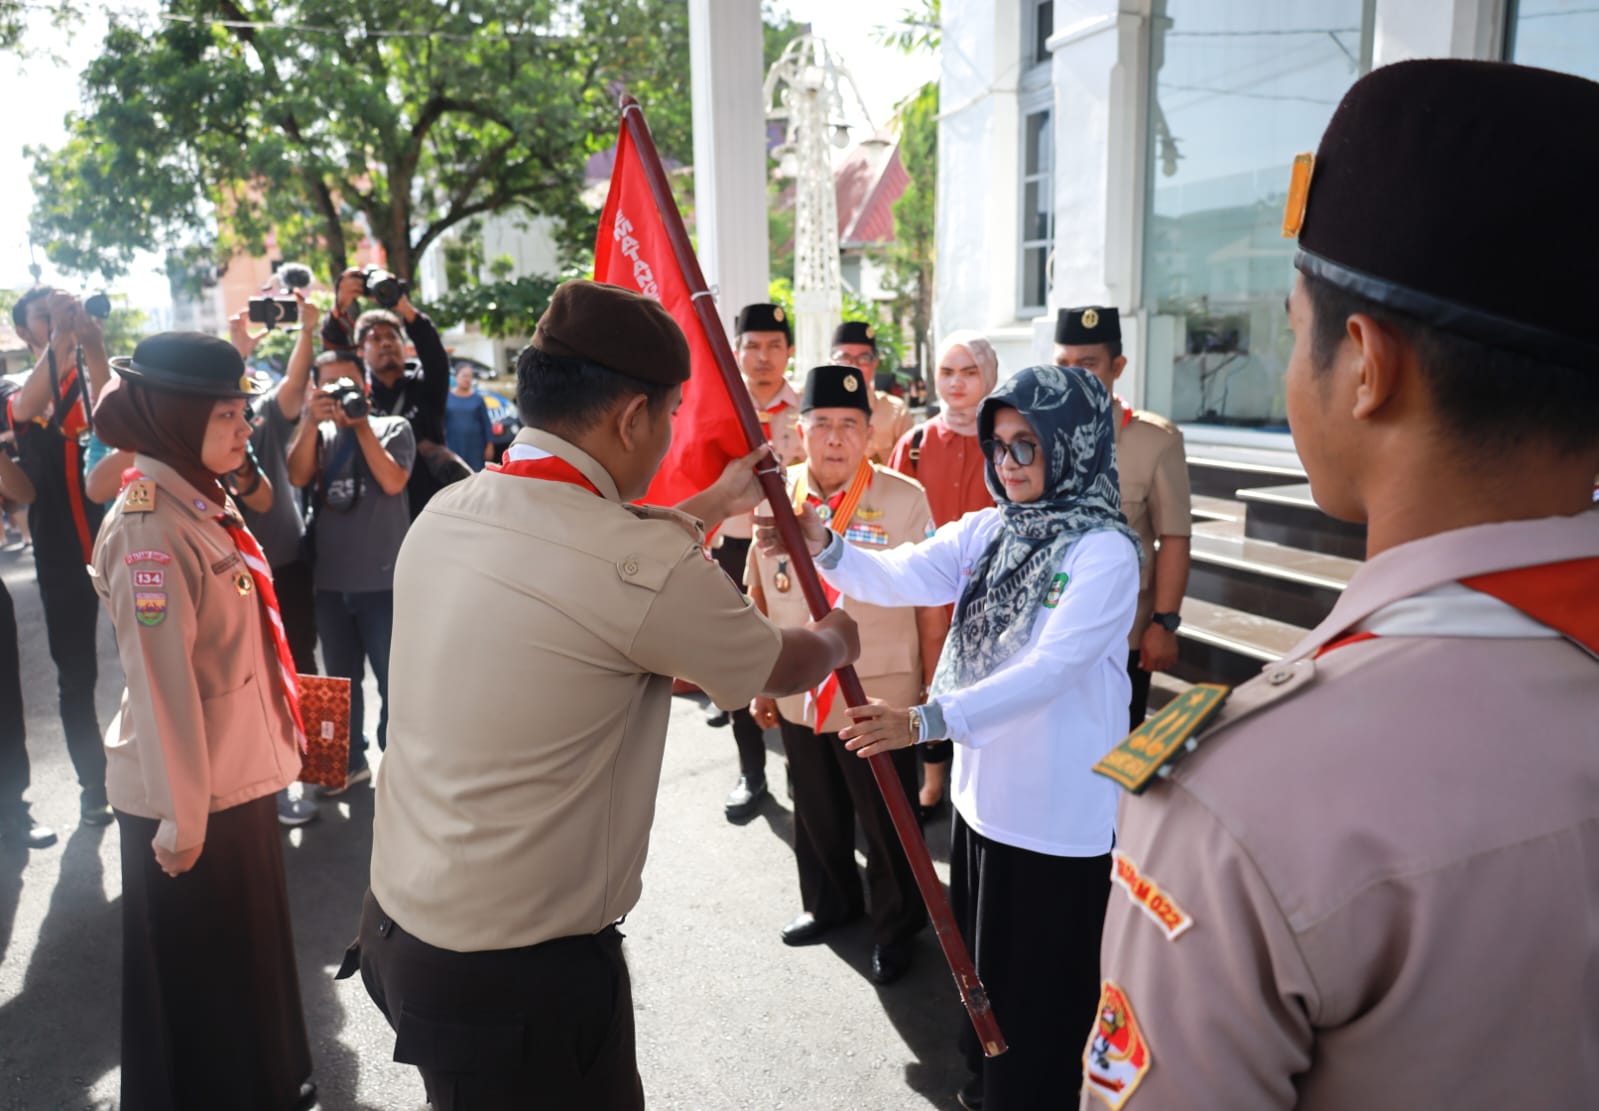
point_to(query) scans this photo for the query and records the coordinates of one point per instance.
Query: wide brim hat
(191, 363)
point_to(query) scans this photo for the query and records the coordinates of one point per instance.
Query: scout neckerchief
(1127, 412)
(549, 468)
(768, 416)
(259, 580)
(836, 512)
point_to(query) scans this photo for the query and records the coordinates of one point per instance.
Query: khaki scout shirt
(780, 420)
(891, 419)
(1155, 497)
(893, 511)
(204, 724)
(536, 627)
(1386, 861)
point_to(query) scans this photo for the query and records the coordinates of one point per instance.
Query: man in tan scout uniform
(764, 342)
(1374, 884)
(873, 507)
(510, 833)
(1155, 499)
(855, 344)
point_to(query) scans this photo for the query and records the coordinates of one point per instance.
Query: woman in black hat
(209, 731)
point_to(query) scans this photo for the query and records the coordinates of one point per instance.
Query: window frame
(1030, 108)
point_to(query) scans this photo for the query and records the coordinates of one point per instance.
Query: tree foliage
(319, 121)
(916, 31)
(890, 346)
(909, 263)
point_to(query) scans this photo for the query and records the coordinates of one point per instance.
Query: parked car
(505, 420)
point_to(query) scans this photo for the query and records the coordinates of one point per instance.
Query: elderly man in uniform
(855, 344)
(1373, 885)
(875, 508)
(1155, 497)
(510, 833)
(764, 345)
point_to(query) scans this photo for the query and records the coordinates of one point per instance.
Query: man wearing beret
(764, 342)
(1372, 884)
(876, 508)
(855, 344)
(508, 846)
(1155, 497)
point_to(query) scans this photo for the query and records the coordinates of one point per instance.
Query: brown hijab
(162, 424)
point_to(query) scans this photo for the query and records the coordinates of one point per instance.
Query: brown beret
(619, 330)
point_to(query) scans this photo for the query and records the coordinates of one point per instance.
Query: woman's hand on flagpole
(875, 728)
(770, 541)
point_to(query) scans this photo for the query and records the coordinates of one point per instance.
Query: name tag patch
(867, 534)
(1117, 1056)
(1135, 761)
(151, 608)
(149, 578)
(1147, 896)
(224, 563)
(1057, 587)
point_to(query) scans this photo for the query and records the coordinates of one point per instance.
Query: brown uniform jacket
(891, 419)
(536, 628)
(204, 725)
(892, 512)
(1375, 885)
(780, 420)
(1155, 496)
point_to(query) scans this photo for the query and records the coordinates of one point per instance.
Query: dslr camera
(350, 396)
(97, 305)
(383, 287)
(280, 309)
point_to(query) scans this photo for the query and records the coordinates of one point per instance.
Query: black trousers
(13, 729)
(546, 1026)
(1139, 708)
(750, 738)
(71, 613)
(1032, 923)
(294, 583)
(833, 789)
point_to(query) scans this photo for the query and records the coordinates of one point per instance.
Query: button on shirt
(1027, 734)
(536, 627)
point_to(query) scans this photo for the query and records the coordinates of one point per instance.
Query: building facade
(1137, 154)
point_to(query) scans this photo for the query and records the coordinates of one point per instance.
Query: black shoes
(971, 1096)
(716, 717)
(890, 961)
(745, 798)
(805, 929)
(307, 1100)
(93, 807)
(21, 829)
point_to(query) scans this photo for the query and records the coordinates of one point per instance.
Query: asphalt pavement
(728, 1017)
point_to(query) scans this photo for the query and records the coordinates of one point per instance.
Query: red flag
(633, 251)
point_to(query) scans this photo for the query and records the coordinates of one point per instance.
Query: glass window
(1240, 87)
(1555, 34)
(1038, 211)
(1040, 25)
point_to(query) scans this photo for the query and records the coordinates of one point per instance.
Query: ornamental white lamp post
(805, 88)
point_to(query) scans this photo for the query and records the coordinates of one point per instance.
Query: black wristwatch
(1167, 621)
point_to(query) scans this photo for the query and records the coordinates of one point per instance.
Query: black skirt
(211, 1013)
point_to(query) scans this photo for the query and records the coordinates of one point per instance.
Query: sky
(883, 76)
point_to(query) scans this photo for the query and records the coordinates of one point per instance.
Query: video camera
(273, 311)
(350, 396)
(383, 287)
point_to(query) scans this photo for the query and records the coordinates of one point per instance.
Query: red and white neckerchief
(840, 511)
(768, 415)
(1544, 600)
(1127, 412)
(526, 461)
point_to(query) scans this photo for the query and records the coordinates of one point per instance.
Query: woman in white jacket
(1032, 688)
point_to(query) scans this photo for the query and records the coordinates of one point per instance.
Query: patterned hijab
(1070, 411)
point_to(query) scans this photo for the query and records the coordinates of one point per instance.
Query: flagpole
(771, 478)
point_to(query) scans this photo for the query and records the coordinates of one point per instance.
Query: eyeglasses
(1022, 452)
(860, 362)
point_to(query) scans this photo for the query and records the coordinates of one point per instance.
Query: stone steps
(1289, 515)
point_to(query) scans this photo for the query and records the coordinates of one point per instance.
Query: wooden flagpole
(899, 808)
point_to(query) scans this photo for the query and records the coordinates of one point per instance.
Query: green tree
(909, 262)
(318, 120)
(890, 345)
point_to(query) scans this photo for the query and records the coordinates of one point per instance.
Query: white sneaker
(296, 810)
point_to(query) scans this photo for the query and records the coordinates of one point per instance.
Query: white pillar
(725, 47)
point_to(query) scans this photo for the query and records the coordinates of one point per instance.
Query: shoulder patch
(1117, 1057)
(1149, 748)
(1148, 897)
(140, 497)
(151, 607)
(1057, 587)
(147, 555)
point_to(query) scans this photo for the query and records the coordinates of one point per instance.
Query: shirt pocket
(238, 741)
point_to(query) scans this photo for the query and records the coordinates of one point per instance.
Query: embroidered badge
(864, 514)
(149, 578)
(1149, 898)
(867, 534)
(1057, 587)
(1146, 750)
(140, 497)
(150, 608)
(243, 583)
(224, 563)
(146, 556)
(1117, 1056)
(1090, 318)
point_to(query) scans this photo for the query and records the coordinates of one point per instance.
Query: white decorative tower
(805, 88)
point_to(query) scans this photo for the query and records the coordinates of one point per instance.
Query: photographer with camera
(358, 463)
(48, 416)
(420, 392)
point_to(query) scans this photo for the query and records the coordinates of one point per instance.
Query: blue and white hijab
(1070, 412)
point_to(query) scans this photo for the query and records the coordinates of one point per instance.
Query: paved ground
(728, 1018)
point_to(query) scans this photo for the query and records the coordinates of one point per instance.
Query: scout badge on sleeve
(1147, 749)
(1057, 587)
(325, 709)
(1147, 896)
(150, 607)
(1117, 1056)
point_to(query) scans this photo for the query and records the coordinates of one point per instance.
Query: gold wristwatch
(916, 725)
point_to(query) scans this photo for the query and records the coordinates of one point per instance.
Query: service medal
(781, 580)
(243, 583)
